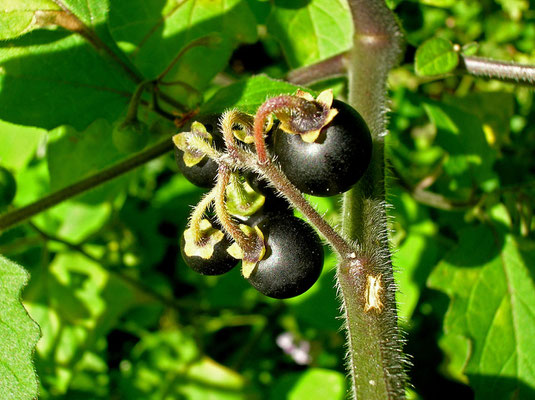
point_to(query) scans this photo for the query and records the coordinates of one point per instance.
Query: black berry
(210, 253)
(293, 260)
(204, 173)
(334, 162)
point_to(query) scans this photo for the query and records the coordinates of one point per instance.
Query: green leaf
(74, 155)
(94, 15)
(314, 383)
(18, 17)
(417, 251)
(76, 302)
(461, 135)
(18, 144)
(310, 31)
(489, 279)
(436, 56)
(167, 364)
(153, 33)
(247, 95)
(494, 110)
(50, 78)
(438, 3)
(19, 335)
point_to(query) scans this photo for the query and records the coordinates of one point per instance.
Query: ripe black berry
(211, 256)
(293, 260)
(334, 162)
(204, 173)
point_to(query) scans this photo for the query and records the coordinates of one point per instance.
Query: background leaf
(18, 17)
(489, 279)
(152, 34)
(310, 31)
(247, 95)
(19, 335)
(40, 87)
(436, 57)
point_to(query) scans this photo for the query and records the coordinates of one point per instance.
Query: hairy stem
(375, 358)
(329, 68)
(502, 70)
(198, 214)
(228, 224)
(274, 175)
(20, 215)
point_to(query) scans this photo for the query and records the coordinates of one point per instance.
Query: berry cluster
(320, 147)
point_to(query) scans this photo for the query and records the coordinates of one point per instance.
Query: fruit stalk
(375, 357)
(229, 226)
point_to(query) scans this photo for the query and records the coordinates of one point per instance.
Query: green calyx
(242, 199)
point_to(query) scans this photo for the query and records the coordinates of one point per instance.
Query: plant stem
(228, 224)
(19, 215)
(343, 248)
(206, 41)
(198, 215)
(502, 70)
(329, 68)
(375, 357)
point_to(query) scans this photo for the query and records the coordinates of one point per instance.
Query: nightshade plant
(110, 308)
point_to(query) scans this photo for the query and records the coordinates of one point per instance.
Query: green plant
(8, 187)
(120, 313)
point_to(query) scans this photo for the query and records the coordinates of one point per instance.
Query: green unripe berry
(8, 187)
(130, 136)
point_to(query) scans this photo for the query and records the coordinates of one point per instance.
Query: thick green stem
(20, 215)
(375, 357)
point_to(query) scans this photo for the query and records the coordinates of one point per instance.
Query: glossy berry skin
(8, 187)
(331, 164)
(293, 259)
(204, 173)
(220, 263)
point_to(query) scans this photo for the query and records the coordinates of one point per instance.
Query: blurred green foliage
(121, 315)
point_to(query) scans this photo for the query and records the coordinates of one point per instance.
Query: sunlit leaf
(19, 17)
(247, 95)
(489, 279)
(51, 77)
(311, 31)
(436, 57)
(76, 302)
(153, 34)
(461, 135)
(314, 383)
(19, 335)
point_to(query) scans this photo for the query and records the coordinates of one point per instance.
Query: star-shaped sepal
(203, 245)
(191, 142)
(255, 252)
(310, 116)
